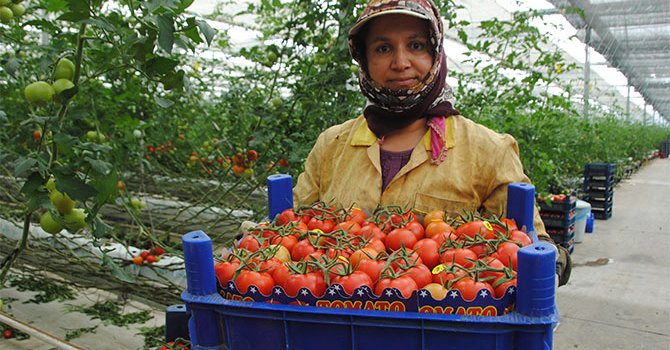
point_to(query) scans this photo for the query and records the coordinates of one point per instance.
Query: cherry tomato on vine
(476, 227)
(313, 281)
(352, 281)
(405, 284)
(470, 288)
(262, 280)
(225, 271)
(428, 251)
(400, 237)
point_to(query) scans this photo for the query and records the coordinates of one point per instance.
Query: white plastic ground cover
(169, 267)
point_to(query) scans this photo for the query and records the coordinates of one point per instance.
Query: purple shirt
(391, 163)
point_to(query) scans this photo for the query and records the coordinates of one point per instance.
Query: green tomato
(276, 102)
(6, 14)
(137, 203)
(49, 224)
(39, 92)
(64, 69)
(137, 133)
(5, 2)
(61, 85)
(272, 57)
(18, 10)
(354, 69)
(248, 172)
(75, 219)
(51, 184)
(92, 136)
(61, 201)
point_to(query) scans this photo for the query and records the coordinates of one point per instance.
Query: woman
(410, 147)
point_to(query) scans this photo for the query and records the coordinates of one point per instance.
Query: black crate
(602, 204)
(602, 214)
(558, 220)
(562, 240)
(601, 169)
(604, 183)
(599, 194)
(558, 207)
(562, 234)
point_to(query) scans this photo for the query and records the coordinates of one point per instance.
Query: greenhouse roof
(634, 36)
(630, 38)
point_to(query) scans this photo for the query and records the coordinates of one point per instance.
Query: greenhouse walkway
(618, 296)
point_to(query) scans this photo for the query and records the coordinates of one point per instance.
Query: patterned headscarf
(390, 110)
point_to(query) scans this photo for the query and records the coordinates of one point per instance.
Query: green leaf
(206, 30)
(116, 270)
(32, 189)
(100, 228)
(183, 5)
(23, 165)
(99, 166)
(74, 187)
(107, 187)
(163, 102)
(165, 32)
(12, 66)
(174, 81)
(56, 5)
(160, 66)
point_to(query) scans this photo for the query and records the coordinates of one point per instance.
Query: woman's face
(398, 51)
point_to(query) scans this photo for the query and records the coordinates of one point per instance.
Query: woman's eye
(417, 45)
(383, 49)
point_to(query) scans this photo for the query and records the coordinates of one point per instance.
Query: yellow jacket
(344, 169)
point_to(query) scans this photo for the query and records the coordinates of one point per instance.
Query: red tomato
(269, 265)
(405, 284)
(433, 215)
(428, 251)
(356, 215)
(313, 281)
(449, 273)
(280, 274)
(400, 237)
(491, 275)
(262, 280)
(501, 287)
(520, 237)
(287, 216)
(7, 333)
(350, 227)
(420, 274)
(507, 254)
(440, 238)
(438, 227)
(302, 249)
(460, 256)
(365, 253)
(481, 250)
(470, 289)
(287, 241)
(376, 244)
(404, 260)
(249, 243)
(476, 227)
(371, 267)
(225, 271)
(355, 280)
(416, 228)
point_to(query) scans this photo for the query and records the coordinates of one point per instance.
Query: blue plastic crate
(599, 169)
(217, 323)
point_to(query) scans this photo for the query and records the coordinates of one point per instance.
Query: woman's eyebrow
(411, 37)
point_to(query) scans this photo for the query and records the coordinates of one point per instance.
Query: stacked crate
(599, 181)
(558, 215)
(665, 149)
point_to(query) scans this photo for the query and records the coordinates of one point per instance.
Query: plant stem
(14, 255)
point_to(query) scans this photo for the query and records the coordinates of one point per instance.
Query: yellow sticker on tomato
(488, 226)
(343, 258)
(439, 268)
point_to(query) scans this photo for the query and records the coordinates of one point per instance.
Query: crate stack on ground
(599, 181)
(665, 149)
(558, 215)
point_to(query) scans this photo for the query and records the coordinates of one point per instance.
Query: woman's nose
(401, 60)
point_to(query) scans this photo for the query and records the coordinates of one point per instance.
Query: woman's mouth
(402, 82)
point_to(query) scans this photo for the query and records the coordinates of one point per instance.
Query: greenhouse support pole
(587, 70)
(644, 114)
(628, 104)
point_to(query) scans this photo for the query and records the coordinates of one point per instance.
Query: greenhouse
(334, 174)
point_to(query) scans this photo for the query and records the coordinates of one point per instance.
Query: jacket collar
(363, 136)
